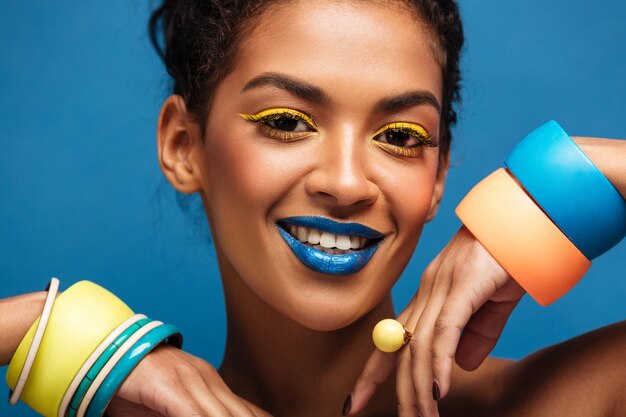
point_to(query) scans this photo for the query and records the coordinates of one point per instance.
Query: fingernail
(436, 392)
(347, 405)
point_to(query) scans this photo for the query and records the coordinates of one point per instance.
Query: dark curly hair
(198, 39)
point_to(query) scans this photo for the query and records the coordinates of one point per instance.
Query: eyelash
(411, 129)
(264, 117)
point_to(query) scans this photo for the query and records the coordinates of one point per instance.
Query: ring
(389, 335)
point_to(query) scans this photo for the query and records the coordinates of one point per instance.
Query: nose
(339, 179)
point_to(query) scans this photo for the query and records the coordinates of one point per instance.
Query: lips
(327, 246)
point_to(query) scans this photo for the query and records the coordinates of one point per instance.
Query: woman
(298, 132)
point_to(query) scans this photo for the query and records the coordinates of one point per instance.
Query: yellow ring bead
(389, 335)
(81, 319)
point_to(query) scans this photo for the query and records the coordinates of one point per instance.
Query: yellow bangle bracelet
(84, 315)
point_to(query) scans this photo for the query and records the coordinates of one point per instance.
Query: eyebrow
(412, 98)
(296, 87)
(316, 95)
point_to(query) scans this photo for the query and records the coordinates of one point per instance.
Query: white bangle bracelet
(69, 394)
(52, 288)
(106, 370)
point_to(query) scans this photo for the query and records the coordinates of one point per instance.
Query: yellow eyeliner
(412, 129)
(277, 113)
(264, 117)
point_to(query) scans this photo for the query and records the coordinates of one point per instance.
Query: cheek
(409, 190)
(243, 170)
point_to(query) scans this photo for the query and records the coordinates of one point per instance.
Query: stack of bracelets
(547, 215)
(78, 353)
(543, 218)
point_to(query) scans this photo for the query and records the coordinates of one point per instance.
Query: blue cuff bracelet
(570, 189)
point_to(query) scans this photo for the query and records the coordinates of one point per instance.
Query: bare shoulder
(585, 375)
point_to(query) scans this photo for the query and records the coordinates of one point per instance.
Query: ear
(179, 143)
(442, 172)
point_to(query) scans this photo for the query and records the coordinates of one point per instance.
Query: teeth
(327, 240)
(314, 236)
(342, 242)
(303, 234)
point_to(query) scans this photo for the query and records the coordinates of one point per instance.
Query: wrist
(17, 314)
(87, 345)
(539, 217)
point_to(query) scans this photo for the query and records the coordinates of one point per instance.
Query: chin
(324, 315)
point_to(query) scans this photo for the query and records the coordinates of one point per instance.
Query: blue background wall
(82, 197)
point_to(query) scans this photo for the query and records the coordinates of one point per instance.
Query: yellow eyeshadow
(277, 113)
(410, 128)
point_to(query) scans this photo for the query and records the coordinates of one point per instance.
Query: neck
(290, 370)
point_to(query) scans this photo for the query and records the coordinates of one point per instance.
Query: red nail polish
(436, 391)
(347, 405)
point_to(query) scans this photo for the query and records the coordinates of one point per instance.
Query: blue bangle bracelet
(163, 333)
(99, 364)
(570, 189)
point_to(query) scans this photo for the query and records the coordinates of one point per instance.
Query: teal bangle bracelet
(99, 364)
(570, 189)
(164, 333)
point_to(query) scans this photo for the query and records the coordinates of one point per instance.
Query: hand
(463, 288)
(169, 382)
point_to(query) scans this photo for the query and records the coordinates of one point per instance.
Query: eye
(283, 123)
(288, 123)
(398, 138)
(403, 138)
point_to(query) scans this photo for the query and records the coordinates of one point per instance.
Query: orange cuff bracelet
(522, 239)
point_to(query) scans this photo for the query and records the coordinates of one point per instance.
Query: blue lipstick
(324, 262)
(330, 226)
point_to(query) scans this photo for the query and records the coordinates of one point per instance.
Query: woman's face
(323, 130)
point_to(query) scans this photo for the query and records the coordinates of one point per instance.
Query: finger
(208, 390)
(424, 293)
(213, 381)
(178, 403)
(235, 405)
(209, 402)
(407, 404)
(258, 412)
(454, 314)
(461, 308)
(405, 387)
(481, 334)
(378, 368)
(376, 371)
(163, 397)
(421, 349)
(119, 407)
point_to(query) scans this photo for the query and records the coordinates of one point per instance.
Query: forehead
(380, 43)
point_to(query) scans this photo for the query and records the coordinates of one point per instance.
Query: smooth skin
(298, 340)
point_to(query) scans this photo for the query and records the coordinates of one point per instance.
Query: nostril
(334, 189)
